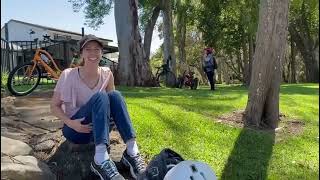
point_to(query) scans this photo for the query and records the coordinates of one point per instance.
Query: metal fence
(15, 53)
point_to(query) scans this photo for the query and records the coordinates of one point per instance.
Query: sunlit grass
(184, 120)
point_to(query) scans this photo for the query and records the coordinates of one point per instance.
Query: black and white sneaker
(136, 164)
(106, 171)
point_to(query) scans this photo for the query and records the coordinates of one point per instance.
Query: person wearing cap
(84, 99)
(209, 65)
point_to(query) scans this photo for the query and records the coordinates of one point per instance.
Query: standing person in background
(209, 65)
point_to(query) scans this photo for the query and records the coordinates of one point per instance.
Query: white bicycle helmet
(191, 170)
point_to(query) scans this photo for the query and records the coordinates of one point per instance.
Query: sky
(59, 14)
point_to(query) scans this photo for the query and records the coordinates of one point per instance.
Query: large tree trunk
(133, 69)
(181, 32)
(149, 31)
(262, 109)
(168, 42)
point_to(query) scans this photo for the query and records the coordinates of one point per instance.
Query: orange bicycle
(25, 78)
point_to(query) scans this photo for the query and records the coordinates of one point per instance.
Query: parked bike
(25, 78)
(164, 76)
(187, 79)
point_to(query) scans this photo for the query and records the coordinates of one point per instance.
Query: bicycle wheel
(167, 79)
(22, 81)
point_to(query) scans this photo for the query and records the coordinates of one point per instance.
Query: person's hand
(77, 126)
(204, 53)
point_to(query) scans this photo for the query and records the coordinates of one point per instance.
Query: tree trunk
(251, 53)
(300, 32)
(262, 109)
(235, 70)
(246, 73)
(133, 69)
(225, 71)
(239, 63)
(284, 77)
(293, 62)
(168, 41)
(149, 31)
(219, 70)
(306, 48)
(181, 33)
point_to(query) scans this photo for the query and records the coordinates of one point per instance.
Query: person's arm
(58, 112)
(215, 64)
(56, 109)
(110, 86)
(212, 61)
(203, 62)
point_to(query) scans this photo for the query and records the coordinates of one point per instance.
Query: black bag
(160, 165)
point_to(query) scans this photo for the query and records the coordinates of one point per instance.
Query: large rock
(72, 161)
(24, 168)
(7, 106)
(14, 147)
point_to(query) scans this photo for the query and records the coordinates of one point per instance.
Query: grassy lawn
(184, 120)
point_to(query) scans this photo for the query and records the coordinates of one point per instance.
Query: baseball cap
(87, 38)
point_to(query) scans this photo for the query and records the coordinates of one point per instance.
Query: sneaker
(136, 164)
(106, 171)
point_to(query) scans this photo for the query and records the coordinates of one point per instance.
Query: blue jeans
(97, 111)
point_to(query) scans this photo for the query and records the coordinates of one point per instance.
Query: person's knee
(75, 137)
(101, 96)
(115, 94)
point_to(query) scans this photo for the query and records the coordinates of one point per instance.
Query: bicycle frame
(38, 60)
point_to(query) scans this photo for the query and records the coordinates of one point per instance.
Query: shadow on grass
(72, 162)
(139, 92)
(299, 89)
(250, 156)
(205, 107)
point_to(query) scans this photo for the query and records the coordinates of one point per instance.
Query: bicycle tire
(11, 77)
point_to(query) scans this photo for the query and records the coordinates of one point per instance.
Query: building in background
(19, 40)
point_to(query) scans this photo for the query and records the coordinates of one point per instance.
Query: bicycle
(29, 74)
(164, 76)
(188, 79)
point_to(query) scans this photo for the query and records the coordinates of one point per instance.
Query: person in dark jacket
(209, 65)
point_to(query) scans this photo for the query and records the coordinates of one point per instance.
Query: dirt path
(29, 119)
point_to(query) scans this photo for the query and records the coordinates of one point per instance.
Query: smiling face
(92, 53)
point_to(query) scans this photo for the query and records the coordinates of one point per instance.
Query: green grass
(184, 120)
(44, 84)
(4, 78)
